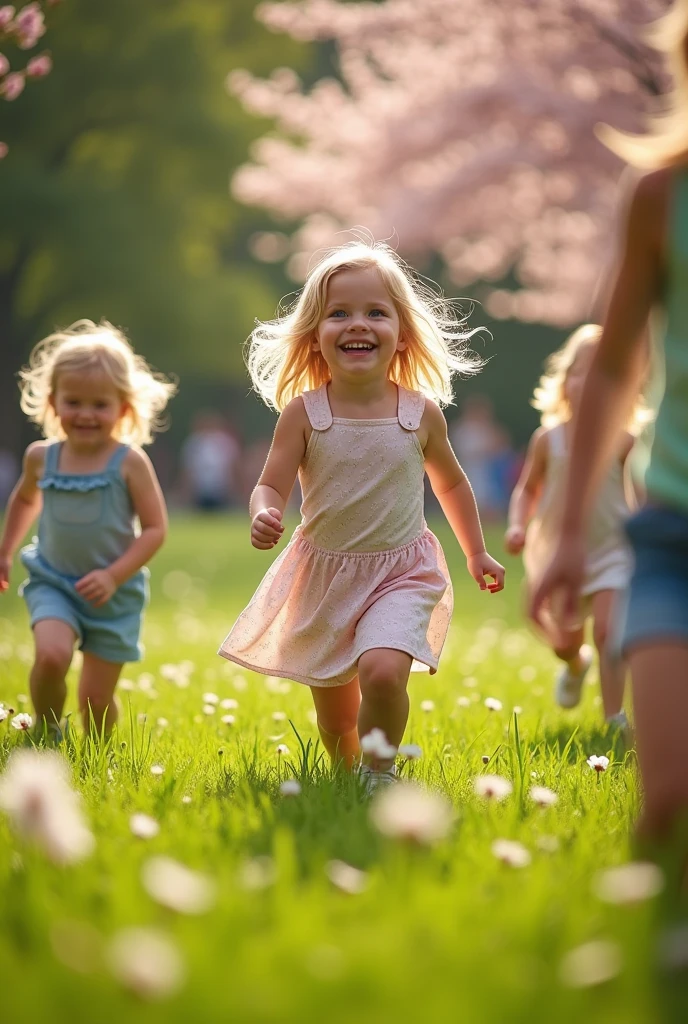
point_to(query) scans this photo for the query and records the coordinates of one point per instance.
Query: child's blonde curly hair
(87, 346)
(549, 397)
(283, 364)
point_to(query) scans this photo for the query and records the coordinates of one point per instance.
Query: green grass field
(446, 933)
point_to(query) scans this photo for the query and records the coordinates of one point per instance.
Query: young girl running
(358, 368)
(94, 400)
(537, 501)
(653, 274)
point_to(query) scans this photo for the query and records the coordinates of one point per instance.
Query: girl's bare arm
(23, 507)
(271, 493)
(526, 491)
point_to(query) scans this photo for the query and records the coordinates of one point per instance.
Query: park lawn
(443, 933)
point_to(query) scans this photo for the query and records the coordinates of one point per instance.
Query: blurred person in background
(211, 464)
(535, 515)
(480, 443)
(652, 276)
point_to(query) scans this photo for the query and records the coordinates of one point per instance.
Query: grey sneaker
(372, 779)
(569, 685)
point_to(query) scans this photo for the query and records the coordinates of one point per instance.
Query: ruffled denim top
(88, 519)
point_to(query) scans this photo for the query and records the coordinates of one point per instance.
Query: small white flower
(463, 702)
(141, 718)
(543, 796)
(228, 719)
(346, 877)
(176, 887)
(257, 873)
(411, 751)
(511, 853)
(591, 964)
(209, 709)
(534, 775)
(492, 704)
(518, 710)
(408, 811)
(290, 787)
(186, 799)
(427, 705)
(4, 713)
(143, 826)
(157, 769)
(211, 698)
(470, 681)
(282, 750)
(22, 721)
(629, 883)
(279, 716)
(598, 764)
(126, 684)
(229, 704)
(146, 962)
(162, 723)
(376, 745)
(493, 787)
(36, 795)
(547, 844)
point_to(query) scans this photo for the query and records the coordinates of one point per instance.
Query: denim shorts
(657, 601)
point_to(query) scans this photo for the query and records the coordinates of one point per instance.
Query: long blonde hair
(549, 397)
(281, 360)
(83, 347)
(667, 142)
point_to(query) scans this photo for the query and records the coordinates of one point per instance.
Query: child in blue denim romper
(102, 515)
(652, 275)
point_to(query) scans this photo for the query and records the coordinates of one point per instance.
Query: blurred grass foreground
(223, 873)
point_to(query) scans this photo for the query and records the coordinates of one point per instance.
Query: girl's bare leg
(659, 675)
(337, 711)
(383, 675)
(612, 671)
(97, 701)
(54, 640)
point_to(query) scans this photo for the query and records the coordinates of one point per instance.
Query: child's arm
(149, 505)
(23, 507)
(634, 486)
(526, 491)
(271, 493)
(611, 385)
(455, 495)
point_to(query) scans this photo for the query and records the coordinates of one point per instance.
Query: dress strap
(318, 408)
(557, 441)
(117, 458)
(52, 458)
(411, 405)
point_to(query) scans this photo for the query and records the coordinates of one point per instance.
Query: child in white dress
(534, 516)
(362, 590)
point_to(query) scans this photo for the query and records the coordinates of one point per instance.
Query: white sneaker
(569, 685)
(372, 778)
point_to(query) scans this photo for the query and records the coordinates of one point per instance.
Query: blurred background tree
(115, 190)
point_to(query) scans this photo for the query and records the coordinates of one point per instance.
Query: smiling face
(89, 407)
(358, 334)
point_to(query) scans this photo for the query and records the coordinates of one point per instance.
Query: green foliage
(115, 193)
(438, 935)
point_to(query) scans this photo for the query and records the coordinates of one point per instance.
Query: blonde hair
(549, 397)
(86, 346)
(667, 142)
(281, 360)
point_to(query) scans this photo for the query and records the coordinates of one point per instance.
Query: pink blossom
(4, 64)
(39, 67)
(13, 85)
(6, 15)
(29, 26)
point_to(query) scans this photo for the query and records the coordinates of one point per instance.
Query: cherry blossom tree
(465, 128)
(22, 29)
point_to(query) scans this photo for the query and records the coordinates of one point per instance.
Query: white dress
(608, 562)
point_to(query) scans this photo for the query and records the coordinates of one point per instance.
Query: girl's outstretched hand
(5, 566)
(266, 528)
(559, 586)
(97, 587)
(514, 540)
(482, 565)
